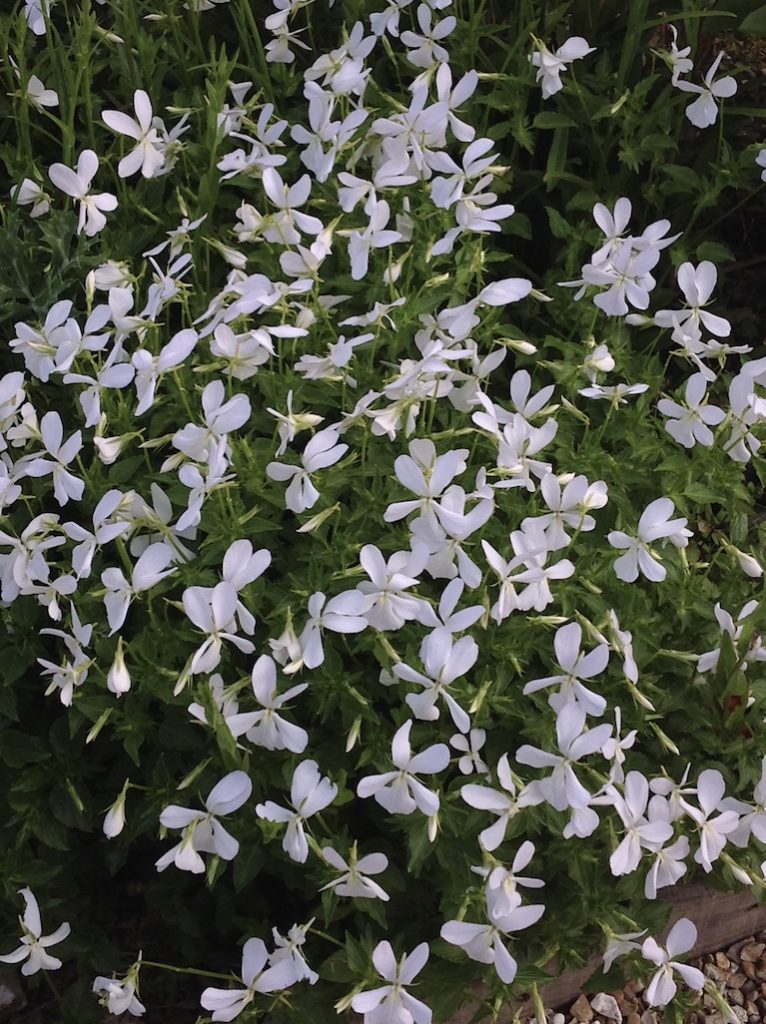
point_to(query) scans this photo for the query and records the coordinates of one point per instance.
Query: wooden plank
(721, 919)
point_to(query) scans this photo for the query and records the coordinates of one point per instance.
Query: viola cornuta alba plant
(381, 493)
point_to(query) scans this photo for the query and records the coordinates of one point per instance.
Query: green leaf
(551, 119)
(17, 750)
(755, 22)
(559, 227)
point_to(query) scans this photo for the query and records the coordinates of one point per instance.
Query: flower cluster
(330, 506)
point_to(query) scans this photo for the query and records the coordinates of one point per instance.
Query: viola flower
(202, 831)
(353, 880)
(655, 524)
(550, 65)
(29, 193)
(39, 96)
(33, 943)
(213, 612)
(505, 803)
(470, 746)
(322, 451)
(703, 112)
(227, 1004)
(691, 422)
(147, 156)
(401, 792)
(484, 942)
(392, 1003)
(76, 183)
(680, 62)
(713, 827)
(61, 453)
(267, 728)
(575, 666)
(120, 996)
(640, 831)
(681, 939)
(150, 568)
(309, 794)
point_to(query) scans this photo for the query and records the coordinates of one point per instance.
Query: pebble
(752, 951)
(581, 1009)
(558, 1018)
(607, 1006)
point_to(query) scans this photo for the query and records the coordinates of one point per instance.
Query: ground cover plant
(381, 498)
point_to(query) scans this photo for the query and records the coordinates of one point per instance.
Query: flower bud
(114, 822)
(748, 564)
(118, 680)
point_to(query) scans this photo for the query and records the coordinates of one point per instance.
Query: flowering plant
(380, 463)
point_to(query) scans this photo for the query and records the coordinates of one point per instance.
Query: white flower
(213, 612)
(639, 831)
(619, 945)
(425, 50)
(227, 1004)
(484, 944)
(322, 451)
(575, 667)
(550, 65)
(353, 880)
(266, 728)
(445, 661)
(470, 763)
(505, 805)
(150, 568)
(118, 996)
(65, 484)
(76, 183)
(33, 943)
(309, 794)
(655, 524)
(390, 606)
(679, 60)
(29, 193)
(697, 284)
(703, 112)
(374, 236)
(35, 11)
(392, 1003)
(760, 161)
(39, 96)
(662, 987)
(401, 792)
(562, 789)
(203, 832)
(343, 613)
(147, 156)
(712, 830)
(288, 950)
(692, 421)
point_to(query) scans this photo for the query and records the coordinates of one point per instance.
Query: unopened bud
(118, 680)
(114, 822)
